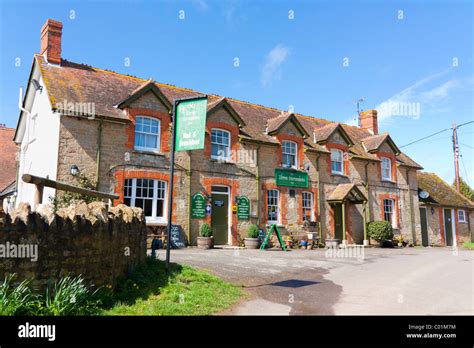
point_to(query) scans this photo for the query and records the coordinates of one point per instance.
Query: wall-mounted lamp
(36, 85)
(74, 170)
(432, 210)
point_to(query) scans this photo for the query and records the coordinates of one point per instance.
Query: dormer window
(289, 150)
(337, 162)
(147, 134)
(386, 169)
(220, 145)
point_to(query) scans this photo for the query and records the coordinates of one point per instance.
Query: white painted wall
(39, 134)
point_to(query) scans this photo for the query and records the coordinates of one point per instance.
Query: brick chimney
(368, 120)
(51, 41)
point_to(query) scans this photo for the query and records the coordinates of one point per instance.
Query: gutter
(99, 146)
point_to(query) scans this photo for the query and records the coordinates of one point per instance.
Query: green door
(424, 227)
(448, 227)
(220, 218)
(337, 221)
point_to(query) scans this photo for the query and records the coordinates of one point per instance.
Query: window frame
(158, 135)
(342, 161)
(392, 212)
(311, 205)
(133, 197)
(384, 178)
(229, 145)
(283, 154)
(278, 210)
(464, 220)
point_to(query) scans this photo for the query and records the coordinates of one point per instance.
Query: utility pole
(456, 157)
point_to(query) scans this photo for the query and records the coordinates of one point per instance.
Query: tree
(466, 190)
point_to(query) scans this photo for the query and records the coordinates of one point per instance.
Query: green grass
(468, 245)
(185, 291)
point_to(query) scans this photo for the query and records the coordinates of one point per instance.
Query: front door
(448, 227)
(220, 216)
(424, 227)
(337, 221)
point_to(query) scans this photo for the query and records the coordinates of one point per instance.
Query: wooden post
(343, 222)
(364, 219)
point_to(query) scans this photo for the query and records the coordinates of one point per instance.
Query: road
(381, 281)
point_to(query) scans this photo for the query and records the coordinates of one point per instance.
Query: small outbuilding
(446, 216)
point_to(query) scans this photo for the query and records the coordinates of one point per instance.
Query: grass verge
(185, 291)
(468, 245)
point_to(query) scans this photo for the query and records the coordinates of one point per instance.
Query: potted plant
(205, 240)
(251, 241)
(382, 232)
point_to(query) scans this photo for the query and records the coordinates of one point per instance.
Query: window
(462, 216)
(308, 213)
(220, 145)
(388, 211)
(386, 169)
(337, 161)
(147, 194)
(273, 206)
(147, 134)
(289, 150)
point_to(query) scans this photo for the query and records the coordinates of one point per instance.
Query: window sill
(148, 152)
(221, 161)
(153, 222)
(339, 174)
(388, 181)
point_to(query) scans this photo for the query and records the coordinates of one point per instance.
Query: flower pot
(251, 243)
(205, 242)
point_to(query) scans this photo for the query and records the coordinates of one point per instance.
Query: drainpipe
(188, 174)
(99, 146)
(366, 205)
(410, 202)
(20, 148)
(318, 184)
(257, 178)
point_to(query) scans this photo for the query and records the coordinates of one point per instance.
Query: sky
(411, 60)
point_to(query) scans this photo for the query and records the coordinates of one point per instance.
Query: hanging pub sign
(243, 208)
(290, 177)
(198, 206)
(190, 124)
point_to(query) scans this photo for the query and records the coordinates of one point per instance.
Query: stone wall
(83, 239)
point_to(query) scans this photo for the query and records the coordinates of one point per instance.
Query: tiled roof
(441, 192)
(82, 83)
(8, 150)
(343, 191)
(324, 132)
(373, 142)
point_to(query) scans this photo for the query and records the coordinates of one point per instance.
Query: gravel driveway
(383, 281)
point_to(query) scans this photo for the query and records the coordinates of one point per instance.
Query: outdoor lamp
(74, 170)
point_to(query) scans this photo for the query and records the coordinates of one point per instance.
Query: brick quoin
(345, 150)
(456, 225)
(300, 144)
(234, 136)
(441, 225)
(393, 161)
(165, 121)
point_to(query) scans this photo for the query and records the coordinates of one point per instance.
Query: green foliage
(17, 300)
(205, 230)
(252, 231)
(380, 230)
(466, 190)
(468, 245)
(64, 199)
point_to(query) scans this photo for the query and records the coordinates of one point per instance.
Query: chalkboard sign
(243, 208)
(261, 235)
(198, 206)
(177, 238)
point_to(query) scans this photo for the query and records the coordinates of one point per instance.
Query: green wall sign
(292, 178)
(243, 208)
(198, 206)
(190, 124)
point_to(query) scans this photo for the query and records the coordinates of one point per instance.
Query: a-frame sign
(267, 237)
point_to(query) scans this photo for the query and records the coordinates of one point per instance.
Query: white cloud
(271, 70)
(202, 4)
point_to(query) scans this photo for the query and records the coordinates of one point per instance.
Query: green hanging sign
(291, 177)
(243, 208)
(198, 206)
(190, 124)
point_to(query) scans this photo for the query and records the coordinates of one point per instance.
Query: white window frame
(283, 154)
(305, 201)
(393, 220)
(334, 151)
(217, 157)
(158, 135)
(271, 222)
(463, 215)
(153, 218)
(383, 168)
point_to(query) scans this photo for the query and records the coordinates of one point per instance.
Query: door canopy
(346, 192)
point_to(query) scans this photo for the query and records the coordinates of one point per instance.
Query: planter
(205, 242)
(251, 243)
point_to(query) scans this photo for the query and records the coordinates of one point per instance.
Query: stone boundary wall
(100, 244)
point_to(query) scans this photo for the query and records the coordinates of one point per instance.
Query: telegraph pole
(456, 157)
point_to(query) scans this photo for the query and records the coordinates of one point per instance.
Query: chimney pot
(51, 41)
(368, 120)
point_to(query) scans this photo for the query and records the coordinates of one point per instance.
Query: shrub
(205, 230)
(65, 199)
(380, 230)
(252, 231)
(17, 300)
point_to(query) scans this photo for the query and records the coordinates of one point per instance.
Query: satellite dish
(424, 194)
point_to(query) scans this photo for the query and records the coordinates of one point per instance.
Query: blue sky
(410, 59)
